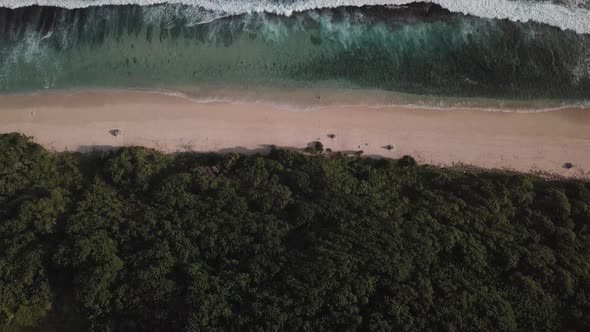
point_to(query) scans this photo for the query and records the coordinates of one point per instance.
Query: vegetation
(315, 147)
(137, 240)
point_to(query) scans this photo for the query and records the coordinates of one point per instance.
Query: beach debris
(568, 165)
(358, 153)
(332, 136)
(388, 147)
(115, 132)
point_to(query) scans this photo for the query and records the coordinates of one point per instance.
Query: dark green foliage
(315, 147)
(407, 161)
(133, 168)
(137, 240)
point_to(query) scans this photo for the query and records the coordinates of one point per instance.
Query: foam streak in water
(564, 17)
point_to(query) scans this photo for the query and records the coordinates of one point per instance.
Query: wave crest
(566, 17)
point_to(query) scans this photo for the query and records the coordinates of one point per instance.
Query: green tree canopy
(137, 240)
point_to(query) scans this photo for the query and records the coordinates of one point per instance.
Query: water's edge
(304, 100)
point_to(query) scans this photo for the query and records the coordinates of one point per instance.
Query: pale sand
(518, 141)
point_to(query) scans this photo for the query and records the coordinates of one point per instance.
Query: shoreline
(310, 99)
(519, 141)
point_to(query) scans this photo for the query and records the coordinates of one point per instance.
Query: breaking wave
(566, 14)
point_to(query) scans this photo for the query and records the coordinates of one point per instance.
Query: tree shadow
(96, 148)
(375, 156)
(261, 149)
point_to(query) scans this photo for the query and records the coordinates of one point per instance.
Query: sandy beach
(508, 140)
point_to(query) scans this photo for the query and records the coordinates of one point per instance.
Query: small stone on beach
(115, 132)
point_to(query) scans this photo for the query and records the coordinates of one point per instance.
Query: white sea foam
(430, 105)
(30, 51)
(562, 16)
(581, 70)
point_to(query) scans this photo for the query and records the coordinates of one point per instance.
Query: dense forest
(138, 240)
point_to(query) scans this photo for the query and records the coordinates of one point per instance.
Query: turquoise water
(418, 48)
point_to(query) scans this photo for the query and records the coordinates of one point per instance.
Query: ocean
(497, 49)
